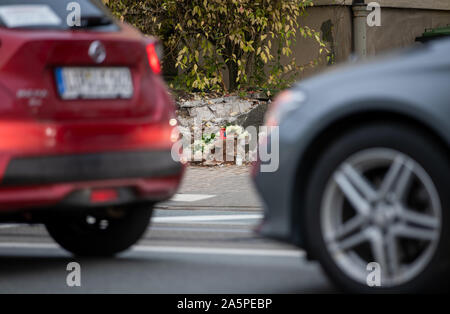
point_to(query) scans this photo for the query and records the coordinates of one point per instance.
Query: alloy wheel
(381, 206)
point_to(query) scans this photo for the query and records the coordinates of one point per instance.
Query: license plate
(94, 83)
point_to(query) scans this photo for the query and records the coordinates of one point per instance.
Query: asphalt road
(197, 243)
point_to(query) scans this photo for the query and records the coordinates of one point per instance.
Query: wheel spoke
(404, 231)
(404, 181)
(421, 220)
(398, 178)
(392, 254)
(378, 247)
(350, 226)
(391, 176)
(360, 182)
(352, 241)
(360, 204)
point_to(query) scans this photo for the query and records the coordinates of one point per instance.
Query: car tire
(101, 232)
(333, 253)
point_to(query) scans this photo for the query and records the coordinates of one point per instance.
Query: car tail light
(104, 195)
(153, 59)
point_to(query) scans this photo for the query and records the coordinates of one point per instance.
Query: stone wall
(214, 113)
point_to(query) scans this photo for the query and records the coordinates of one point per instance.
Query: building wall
(400, 27)
(402, 21)
(335, 25)
(407, 4)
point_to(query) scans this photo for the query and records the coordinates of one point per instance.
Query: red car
(87, 125)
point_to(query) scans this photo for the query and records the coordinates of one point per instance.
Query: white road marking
(8, 226)
(176, 249)
(28, 245)
(190, 197)
(220, 251)
(191, 218)
(202, 230)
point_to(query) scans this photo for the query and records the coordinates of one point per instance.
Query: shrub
(243, 38)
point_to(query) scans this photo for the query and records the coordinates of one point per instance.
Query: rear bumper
(78, 193)
(87, 167)
(69, 180)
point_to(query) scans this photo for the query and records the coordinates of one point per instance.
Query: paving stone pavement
(230, 184)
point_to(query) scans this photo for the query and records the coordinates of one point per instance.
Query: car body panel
(29, 58)
(413, 84)
(38, 127)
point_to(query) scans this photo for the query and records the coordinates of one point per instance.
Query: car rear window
(55, 14)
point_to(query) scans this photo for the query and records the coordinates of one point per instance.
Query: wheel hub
(383, 215)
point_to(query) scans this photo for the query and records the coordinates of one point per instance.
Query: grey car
(364, 171)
